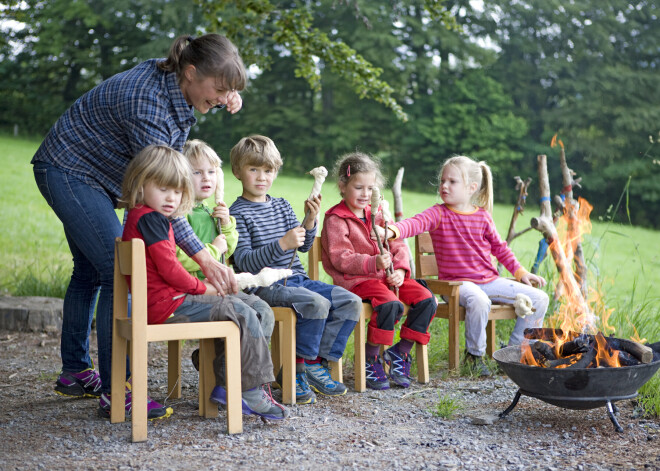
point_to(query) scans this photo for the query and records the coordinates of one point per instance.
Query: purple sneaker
(399, 364)
(376, 378)
(154, 409)
(87, 383)
(256, 401)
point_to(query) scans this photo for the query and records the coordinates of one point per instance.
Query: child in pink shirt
(353, 260)
(464, 238)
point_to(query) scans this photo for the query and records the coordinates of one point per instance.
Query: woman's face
(204, 93)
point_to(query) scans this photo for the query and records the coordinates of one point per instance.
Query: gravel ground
(392, 429)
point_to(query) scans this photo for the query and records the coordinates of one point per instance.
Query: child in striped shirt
(268, 236)
(464, 238)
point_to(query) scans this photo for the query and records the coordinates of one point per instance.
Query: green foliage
(649, 397)
(446, 406)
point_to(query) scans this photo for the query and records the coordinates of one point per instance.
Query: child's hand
(383, 261)
(220, 243)
(293, 239)
(221, 212)
(210, 289)
(313, 207)
(396, 278)
(533, 280)
(377, 229)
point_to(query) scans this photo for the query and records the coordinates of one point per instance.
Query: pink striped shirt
(463, 243)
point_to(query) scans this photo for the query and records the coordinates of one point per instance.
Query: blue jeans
(90, 226)
(326, 315)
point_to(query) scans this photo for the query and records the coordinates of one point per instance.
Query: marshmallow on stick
(266, 277)
(375, 201)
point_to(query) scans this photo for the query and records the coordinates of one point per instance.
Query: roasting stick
(375, 201)
(219, 198)
(319, 174)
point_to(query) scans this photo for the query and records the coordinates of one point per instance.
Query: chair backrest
(314, 259)
(130, 262)
(425, 265)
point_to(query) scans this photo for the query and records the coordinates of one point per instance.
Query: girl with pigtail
(354, 261)
(464, 239)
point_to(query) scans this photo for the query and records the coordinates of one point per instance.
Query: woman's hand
(221, 212)
(234, 102)
(217, 274)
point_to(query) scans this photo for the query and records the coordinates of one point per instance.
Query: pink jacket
(349, 253)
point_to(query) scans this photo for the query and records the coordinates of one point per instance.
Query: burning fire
(579, 341)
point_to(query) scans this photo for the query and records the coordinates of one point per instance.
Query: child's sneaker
(376, 378)
(256, 401)
(154, 409)
(304, 395)
(320, 381)
(399, 364)
(87, 383)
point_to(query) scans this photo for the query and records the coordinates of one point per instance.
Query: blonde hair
(256, 150)
(474, 172)
(197, 150)
(163, 166)
(212, 55)
(349, 165)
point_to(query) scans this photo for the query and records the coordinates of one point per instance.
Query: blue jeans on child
(326, 314)
(90, 226)
(477, 300)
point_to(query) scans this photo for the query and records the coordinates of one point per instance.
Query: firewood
(643, 353)
(626, 359)
(578, 345)
(585, 360)
(563, 361)
(545, 350)
(545, 333)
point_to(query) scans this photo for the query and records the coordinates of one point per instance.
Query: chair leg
(118, 378)
(360, 358)
(206, 378)
(233, 382)
(139, 390)
(337, 371)
(454, 341)
(284, 350)
(422, 363)
(174, 369)
(491, 338)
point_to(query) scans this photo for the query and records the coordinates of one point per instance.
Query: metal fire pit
(581, 389)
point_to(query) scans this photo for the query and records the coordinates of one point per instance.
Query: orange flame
(554, 141)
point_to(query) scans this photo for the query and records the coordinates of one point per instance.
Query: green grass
(624, 260)
(446, 406)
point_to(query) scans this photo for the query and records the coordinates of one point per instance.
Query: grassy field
(624, 261)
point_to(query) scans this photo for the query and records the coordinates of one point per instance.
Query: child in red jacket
(158, 186)
(353, 260)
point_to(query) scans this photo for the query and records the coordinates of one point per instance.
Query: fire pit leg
(513, 404)
(610, 412)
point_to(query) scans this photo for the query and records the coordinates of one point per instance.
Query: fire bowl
(579, 388)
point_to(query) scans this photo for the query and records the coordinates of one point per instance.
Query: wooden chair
(359, 336)
(426, 268)
(130, 260)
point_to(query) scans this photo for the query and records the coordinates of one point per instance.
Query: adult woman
(79, 169)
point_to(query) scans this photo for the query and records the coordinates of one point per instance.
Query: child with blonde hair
(354, 261)
(158, 186)
(269, 234)
(464, 237)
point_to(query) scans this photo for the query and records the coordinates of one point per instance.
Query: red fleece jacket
(166, 277)
(349, 253)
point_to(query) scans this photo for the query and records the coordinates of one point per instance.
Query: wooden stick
(375, 201)
(398, 212)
